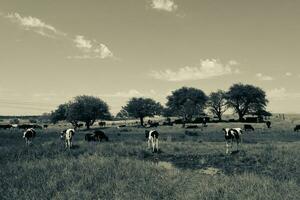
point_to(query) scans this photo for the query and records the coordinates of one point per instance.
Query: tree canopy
(83, 108)
(217, 103)
(186, 102)
(246, 99)
(142, 107)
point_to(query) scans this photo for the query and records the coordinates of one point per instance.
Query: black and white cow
(67, 136)
(232, 135)
(28, 135)
(152, 137)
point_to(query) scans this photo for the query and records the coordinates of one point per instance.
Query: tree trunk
(142, 121)
(87, 124)
(241, 116)
(220, 116)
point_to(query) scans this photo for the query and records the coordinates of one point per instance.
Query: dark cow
(248, 127)
(28, 135)
(25, 126)
(5, 126)
(96, 136)
(232, 135)
(45, 125)
(191, 127)
(153, 124)
(268, 123)
(297, 128)
(102, 124)
(152, 137)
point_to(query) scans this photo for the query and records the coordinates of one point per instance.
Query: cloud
(262, 77)
(165, 5)
(282, 94)
(34, 24)
(288, 74)
(130, 93)
(91, 49)
(208, 68)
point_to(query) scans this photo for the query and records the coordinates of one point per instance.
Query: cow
(102, 124)
(5, 126)
(67, 136)
(25, 126)
(45, 125)
(100, 135)
(96, 136)
(152, 137)
(232, 135)
(28, 135)
(297, 128)
(248, 127)
(268, 123)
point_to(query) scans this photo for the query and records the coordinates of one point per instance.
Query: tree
(143, 107)
(123, 115)
(246, 99)
(217, 103)
(59, 114)
(87, 109)
(186, 102)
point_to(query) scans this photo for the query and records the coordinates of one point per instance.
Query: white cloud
(262, 77)
(208, 68)
(91, 49)
(34, 24)
(288, 74)
(130, 93)
(165, 5)
(282, 94)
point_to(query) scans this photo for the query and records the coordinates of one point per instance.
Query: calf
(232, 135)
(268, 123)
(67, 135)
(152, 137)
(28, 135)
(297, 128)
(248, 127)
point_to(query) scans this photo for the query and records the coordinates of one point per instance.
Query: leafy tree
(87, 109)
(217, 103)
(59, 114)
(186, 102)
(143, 107)
(246, 99)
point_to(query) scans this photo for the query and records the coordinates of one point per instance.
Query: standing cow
(28, 135)
(67, 135)
(152, 137)
(232, 135)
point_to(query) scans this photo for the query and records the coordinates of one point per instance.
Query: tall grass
(267, 166)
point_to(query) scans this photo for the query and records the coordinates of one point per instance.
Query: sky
(54, 50)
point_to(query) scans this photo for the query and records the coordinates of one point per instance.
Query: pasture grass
(189, 166)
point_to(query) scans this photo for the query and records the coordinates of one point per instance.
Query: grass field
(189, 166)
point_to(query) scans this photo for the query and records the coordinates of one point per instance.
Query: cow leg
(227, 147)
(153, 145)
(149, 144)
(157, 145)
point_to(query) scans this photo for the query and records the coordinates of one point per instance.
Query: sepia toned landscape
(149, 99)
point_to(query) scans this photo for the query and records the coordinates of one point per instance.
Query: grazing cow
(100, 135)
(25, 126)
(152, 137)
(67, 135)
(191, 127)
(102, 124)
(268, 123)
(28, 135)
(297, 128)
(5, 126)
(45, 125)
(248, 127)
(231, 135)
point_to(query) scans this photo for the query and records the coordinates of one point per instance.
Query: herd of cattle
(232, 135)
